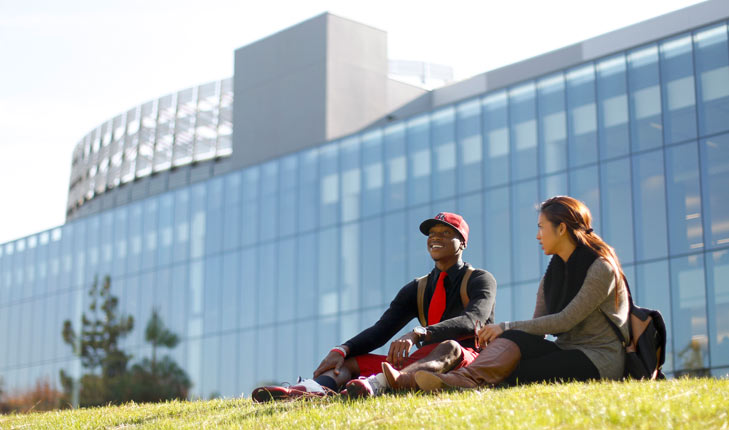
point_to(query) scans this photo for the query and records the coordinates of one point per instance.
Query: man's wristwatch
(420, 331)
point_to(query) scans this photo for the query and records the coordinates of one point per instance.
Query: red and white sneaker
(365, 387)
(303, 388)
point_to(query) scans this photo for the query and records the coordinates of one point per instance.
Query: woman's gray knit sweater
(581, 324)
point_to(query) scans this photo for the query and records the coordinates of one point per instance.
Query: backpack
(645, 352)
(422, 283)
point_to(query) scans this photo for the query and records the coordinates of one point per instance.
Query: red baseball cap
(454, 221)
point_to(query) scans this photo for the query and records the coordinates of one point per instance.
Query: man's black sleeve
(402, 309)
(481, 296)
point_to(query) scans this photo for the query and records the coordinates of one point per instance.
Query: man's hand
(400, 349)
(333, 361)
(488, 333)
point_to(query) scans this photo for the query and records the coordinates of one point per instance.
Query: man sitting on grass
(448, 302)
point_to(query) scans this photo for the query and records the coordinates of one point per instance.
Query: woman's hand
(488, 333)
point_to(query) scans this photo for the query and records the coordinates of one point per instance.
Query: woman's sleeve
(540, 308)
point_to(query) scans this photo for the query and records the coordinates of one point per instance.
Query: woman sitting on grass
(583, 284)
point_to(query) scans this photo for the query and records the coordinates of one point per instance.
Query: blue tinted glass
(649, 204)
(679, 97)
(715, 177)
(554, 185)
(419, 160)
(645, 98)
(684, 198)
(328, 280)
(718, 300)
(653, 290)
(308, 190)
(286, 293)
(178, 316)
(181, 248)
(712, 70)
(497, 225)
(134, 256)
(552, 124)
(329, 184)
(351, 178)
(525, 253)
(287, 213)
(198, 221)
(524, 298)
(248, 377)
(266, 368)
(585, 186)
(444, 153)
(195, 296)
(419, 261)
(373, 173)
(250, 287)
(308, 355)
(496, 139)
(229, 365)
(582, 115)
(372, 262)
(212, 294)
(232, 212)
(396, 167)
(306, 276)
(617, 208)
(268, 269)
(470, 146)
(250, 206)
(470, 207)
(214, 216)
(523, 131)
(689, 313)
(349, 266)
(286, 363)
(395, 255)
(166, 231)
(612, 98)
(269, 201)
(229, 291)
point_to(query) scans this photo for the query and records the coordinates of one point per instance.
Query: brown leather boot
(492, 366)
(398, 380)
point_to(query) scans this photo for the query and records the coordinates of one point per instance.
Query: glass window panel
(351, 178)
(525, 252)
(150, 237)
(206, 124)
(268, 266)
(225, 119)
(134, 257)
(131, 143)
(178, 298)
(649, 204)
(214, 216)
(373, 173)
(712, 76)
(470, 146)
(645, 98)
(689, 313)
(286, 363)
(496, 138)
(287, 196)
(524, 298)
(582, 115)
(307, 353)
(652, 290)
(350, 267)
(247, 372)
(612, 99)
(328, 273)
(308, 190)
(444, 152)
(617, 208)
(229, 366)
(684, 198)
(470, 207)
(395, 253)
(396, 167)
(166, 228)
(327, 334)
(718, 289)
(181, 250)
(372, 262)
(287, 280)
(250, 206)
(679, 97)
(715, 177)
(165, 133)
(230, 284)
(209, 380)
(184, 127)
(329, 184)
(198, 220)
(232, 213)
(419, 261)
(212, 294)
(585, 186)
(249, 287)
(552, 124)
(306, 281)
(269, 200)
(419, 160)
(523, 127)
(195, 295)
(497, 226)
(147, 126)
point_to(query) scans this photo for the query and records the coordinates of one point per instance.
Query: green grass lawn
(675, 404)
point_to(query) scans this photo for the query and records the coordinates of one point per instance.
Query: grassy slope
(676, 404)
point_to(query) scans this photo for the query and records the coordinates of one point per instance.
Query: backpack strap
(464, 286)
(422, 282)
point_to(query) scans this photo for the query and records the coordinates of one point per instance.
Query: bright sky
(67, 66)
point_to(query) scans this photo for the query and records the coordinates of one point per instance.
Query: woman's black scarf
(563, 280)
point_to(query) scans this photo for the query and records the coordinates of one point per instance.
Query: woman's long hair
(576, 216)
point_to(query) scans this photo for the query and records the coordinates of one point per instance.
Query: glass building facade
(262, 270)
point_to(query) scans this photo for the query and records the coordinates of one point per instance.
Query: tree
(158, 335)
(97, 346)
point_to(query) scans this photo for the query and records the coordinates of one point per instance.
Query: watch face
(420, 330)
